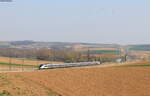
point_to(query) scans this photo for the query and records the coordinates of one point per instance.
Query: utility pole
(50, 56)
(100, 60)
(79, 57)
(54, 55)
(36, 53)
(9, 59)
(120, 51)
(125, 57)
(22, 64)
(126, 54)
(88, 55)
(23, 60)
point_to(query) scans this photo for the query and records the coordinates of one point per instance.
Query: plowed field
(89, 81)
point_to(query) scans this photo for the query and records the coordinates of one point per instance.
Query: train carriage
(66, 65)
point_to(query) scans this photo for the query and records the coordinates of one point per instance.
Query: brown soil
(94, 81)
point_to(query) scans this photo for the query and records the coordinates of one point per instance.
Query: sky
(93, 21)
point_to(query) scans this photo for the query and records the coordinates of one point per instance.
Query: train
(66, 65)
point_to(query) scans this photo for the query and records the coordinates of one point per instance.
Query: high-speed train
(65, 65)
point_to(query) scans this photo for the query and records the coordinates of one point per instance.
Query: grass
(145, 65)
(3, 46)
(12, 64)
(5, 93)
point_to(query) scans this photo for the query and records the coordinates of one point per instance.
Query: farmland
(20, 64)
(95, 49)
(104, 51)
(26, 61)
(140, 47)
(88, 81)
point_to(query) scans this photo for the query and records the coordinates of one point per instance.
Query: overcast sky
(97, 21)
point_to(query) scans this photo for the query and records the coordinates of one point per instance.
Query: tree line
(63, 55)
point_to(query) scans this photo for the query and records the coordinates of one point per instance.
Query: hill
(88, 81)
(34, 44)
(144, 47)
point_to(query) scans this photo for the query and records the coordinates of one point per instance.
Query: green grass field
(104, 51)
(145, 65)
(140, 48)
